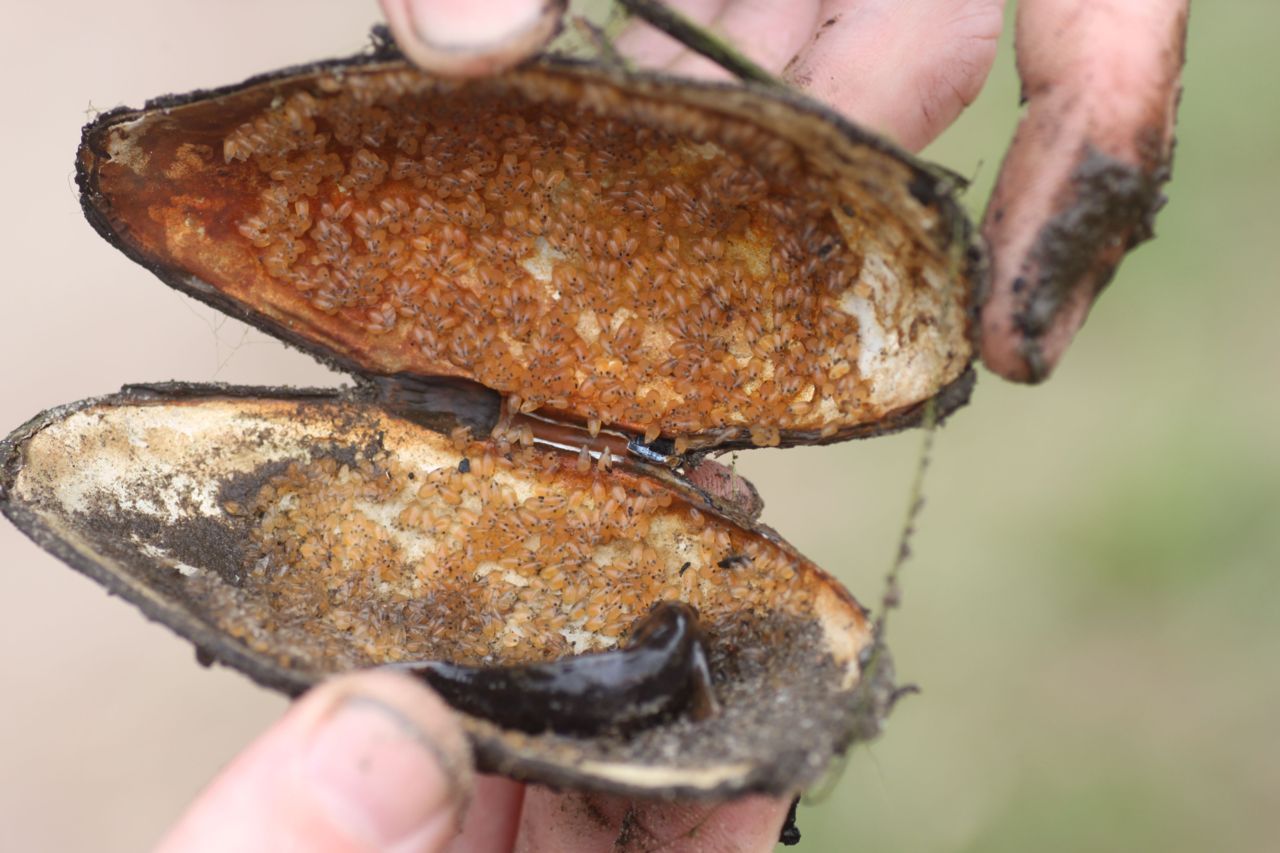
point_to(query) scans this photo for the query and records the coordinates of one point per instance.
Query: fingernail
(378, 776)
(459, 26)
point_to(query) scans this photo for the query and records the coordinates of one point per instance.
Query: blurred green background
(1093, 611)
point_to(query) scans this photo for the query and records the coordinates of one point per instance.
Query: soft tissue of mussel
(557, 289)
(662, 672)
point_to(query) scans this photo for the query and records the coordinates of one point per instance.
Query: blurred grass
(1092, 610)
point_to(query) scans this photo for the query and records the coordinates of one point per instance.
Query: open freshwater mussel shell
(512, 267)
(293, 535)
(712, 264)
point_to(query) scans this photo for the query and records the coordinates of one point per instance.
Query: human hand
(374, 761)
(1080, 183)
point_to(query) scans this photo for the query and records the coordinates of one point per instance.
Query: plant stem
(915, 503)
(877, 690)
(603, 46)
(698, 39)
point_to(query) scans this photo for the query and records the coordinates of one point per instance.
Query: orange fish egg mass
(510, 559)
(680, 279)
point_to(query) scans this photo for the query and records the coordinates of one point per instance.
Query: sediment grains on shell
(509, 557)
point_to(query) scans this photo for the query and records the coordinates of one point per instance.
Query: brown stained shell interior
(300, 536)
(679, 259)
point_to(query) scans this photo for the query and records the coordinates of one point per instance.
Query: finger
(467, 38)
(653, 48)
(590, 822)
(903, 69)
(1080, 184)
(490, 827)
(366, 762)
(768, 32)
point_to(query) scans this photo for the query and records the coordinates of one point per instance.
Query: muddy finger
(1082, 181)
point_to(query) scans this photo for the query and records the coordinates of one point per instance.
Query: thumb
(466, 38)
(371, 761)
